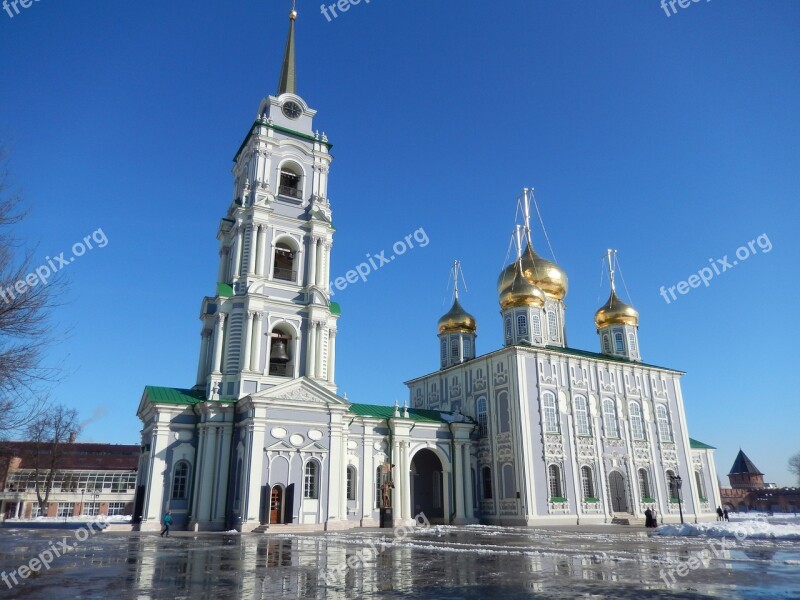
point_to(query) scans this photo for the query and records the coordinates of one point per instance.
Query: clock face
(292, 110)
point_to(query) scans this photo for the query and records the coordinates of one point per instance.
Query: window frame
(550, 414)
(583, 425)
(637, 431)
(311, 480)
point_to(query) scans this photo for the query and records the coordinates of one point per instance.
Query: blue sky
(672, 139)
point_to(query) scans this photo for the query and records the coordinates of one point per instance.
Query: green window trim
(649, 500)
(591, 499)
(674, 501)
(703, 499)
(557, 499)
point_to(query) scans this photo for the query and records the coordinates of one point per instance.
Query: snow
(740, 529)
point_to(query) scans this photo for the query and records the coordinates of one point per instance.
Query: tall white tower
(271, 318)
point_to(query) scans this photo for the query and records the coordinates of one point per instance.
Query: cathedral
(535, 432)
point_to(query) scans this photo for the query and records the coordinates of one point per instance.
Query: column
(327, 265)
(255, 472)
(157, 483)
(406, 509)
(237, 249)
(218, 335)
(257, 335)
(248, 341)
(446, 494)
(223, 462)
(262, 232)
(469, 484)
(202, 363)
(319, 351)
(223, 264)
(312, 261)
(251, 259)
(320, 264)
(397, 471)
(331, 355)
(459, 481)
(311, 348)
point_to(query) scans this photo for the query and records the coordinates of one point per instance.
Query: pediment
(301, 391)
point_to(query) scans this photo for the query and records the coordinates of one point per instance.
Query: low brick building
(90, 480)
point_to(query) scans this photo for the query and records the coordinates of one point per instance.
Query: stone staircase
(626, 519)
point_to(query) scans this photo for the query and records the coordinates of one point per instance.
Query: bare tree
(49, 433)
(794, 466)
(24, 328)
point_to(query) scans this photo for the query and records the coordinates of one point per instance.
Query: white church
(531, 433)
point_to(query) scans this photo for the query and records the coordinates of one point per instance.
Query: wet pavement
(440, 562)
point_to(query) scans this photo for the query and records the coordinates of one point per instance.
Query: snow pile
(742, 530)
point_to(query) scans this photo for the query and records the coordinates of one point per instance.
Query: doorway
(276, 506)
(619, 492)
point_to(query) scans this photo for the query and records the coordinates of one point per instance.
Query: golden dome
(538, 271)
(457, 320)
(520, 292)
(616, 312)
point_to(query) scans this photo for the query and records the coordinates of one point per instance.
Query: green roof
(177, 396)
(224, 290)
(335, 308)
(598, 356)
(700, 445)
(387, 412)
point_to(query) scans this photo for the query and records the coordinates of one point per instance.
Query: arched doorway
(427, 486)
(618, 491)
(276, 506)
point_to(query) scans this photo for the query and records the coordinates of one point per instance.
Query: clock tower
(271, 318)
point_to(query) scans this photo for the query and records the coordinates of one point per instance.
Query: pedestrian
(725, 515)
(719, 513)
(167, 521)
(648, 518)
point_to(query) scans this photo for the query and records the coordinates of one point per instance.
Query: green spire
(288, 81)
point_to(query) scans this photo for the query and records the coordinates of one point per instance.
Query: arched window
(673, 485)
(554, 482)
(454, 349)
(537, 325)
(291, 181)
(483, 418)
(664, 430)
(644, 484)
(311, 480)
(620, 342)
(606, 344)
(283, 265)
(508, 330)
(280, 353)
(467, 348)
(552, 324)
(582, 426)
(701, 487)
(632, 343)
(550, 413)
(486, 481)
(610, 418)
(504, 414)
(444, 352)
(180, 481)
(637, 427)
(587, 482)
(522, 325)
(351, 482)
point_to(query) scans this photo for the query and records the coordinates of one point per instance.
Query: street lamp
(678, 483)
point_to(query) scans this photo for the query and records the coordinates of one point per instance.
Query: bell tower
(271, 318)
(457, 330)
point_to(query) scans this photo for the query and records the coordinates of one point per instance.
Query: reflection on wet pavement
(441, 562)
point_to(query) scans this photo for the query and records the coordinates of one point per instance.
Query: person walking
(719, 513)
(167, 521)
(648, 518)
(725, 515)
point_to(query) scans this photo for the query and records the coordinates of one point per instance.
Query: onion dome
(540, 272)
(520, 292)
(457, 320)
(616, 312)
